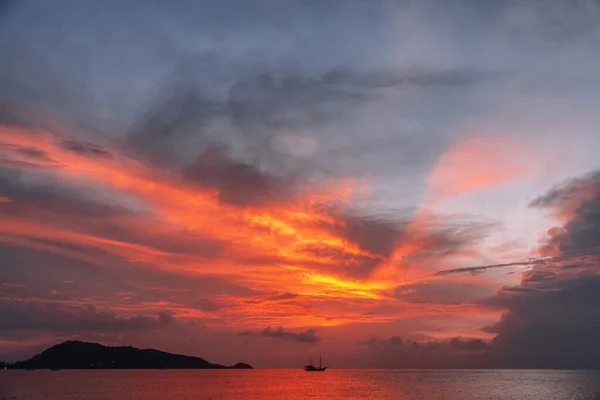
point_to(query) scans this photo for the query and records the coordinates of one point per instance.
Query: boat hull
(310, 368)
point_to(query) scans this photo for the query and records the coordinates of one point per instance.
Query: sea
(297, 384)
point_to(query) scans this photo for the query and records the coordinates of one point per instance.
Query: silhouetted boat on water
(312, 368)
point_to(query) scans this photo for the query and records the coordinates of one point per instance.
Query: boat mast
(319, 360)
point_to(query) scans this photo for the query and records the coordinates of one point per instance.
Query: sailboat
(312, 368)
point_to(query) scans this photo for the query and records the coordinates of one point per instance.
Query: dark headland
(83, 355)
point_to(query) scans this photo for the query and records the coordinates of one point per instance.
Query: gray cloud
(440, 292)
(396, 342)
(85, 148)
(28, 275)
(288, 101)
(164, 126)
(19, 164)
(483, 268)
(237, 182)
(207, 305)
(34, 153)
(37, 196)
(51, 317)
(255, 116)
(395, 352)
(10, 114)
(308, 336)
(377, 236)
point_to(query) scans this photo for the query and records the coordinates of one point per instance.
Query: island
(75, 354)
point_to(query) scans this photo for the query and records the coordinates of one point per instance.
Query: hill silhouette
(83, 355)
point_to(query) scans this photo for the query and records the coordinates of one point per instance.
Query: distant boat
(312, 368)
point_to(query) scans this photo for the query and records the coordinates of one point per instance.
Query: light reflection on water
(297, 384)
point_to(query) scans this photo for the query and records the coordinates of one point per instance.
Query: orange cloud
(298, 246)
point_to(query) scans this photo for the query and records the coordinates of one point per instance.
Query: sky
(392, 183)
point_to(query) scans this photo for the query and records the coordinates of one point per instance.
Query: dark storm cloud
(552, 316)
(580, 235)
(550, 319)
(308, 336)
(551, 325)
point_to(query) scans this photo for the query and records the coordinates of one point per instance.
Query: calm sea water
(293, 385)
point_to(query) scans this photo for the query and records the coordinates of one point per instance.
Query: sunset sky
(391, 183)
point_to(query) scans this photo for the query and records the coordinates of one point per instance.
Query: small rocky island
(83, 355)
